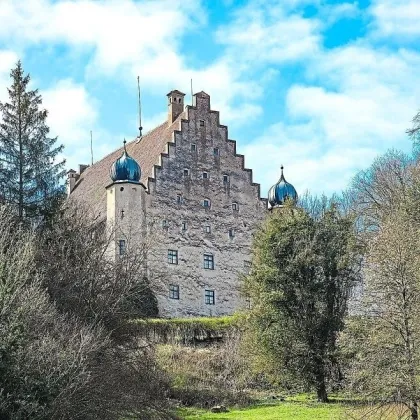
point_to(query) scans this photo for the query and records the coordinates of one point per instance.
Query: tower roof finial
(125, 142)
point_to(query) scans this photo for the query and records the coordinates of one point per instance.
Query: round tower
(126, 206)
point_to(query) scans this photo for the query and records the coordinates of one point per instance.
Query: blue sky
(319, 86)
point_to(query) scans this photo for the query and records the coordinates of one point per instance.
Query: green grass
(284, 410)
(204, 322)
(186, 329)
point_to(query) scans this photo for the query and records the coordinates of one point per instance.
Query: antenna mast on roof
(140, 127)
(91, 146)
(191, 94)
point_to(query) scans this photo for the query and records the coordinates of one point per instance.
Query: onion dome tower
(125, 169)
(125, 206)
(281, 191)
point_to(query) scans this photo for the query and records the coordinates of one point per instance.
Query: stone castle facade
(192, 201)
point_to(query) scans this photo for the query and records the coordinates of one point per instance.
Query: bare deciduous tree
(59, 358)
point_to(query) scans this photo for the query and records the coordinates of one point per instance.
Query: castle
(184, 190)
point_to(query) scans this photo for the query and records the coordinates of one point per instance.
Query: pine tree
(29, 176)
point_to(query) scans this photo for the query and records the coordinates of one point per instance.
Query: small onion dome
(125, 168)
(281, 191)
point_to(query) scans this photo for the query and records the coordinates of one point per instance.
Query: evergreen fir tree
(29, 176)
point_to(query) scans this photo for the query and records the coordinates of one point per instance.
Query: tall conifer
(29, 174)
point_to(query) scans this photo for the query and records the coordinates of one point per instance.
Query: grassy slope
(285, 410)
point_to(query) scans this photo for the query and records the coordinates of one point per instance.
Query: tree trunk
(20, 154)
(321, 390)
(414, 411)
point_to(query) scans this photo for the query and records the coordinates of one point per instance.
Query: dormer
(175, 105)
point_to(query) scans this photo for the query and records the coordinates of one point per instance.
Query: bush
(210, 375)
(187, 330)
(60, 361)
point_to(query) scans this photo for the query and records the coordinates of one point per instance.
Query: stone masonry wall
(176, 197)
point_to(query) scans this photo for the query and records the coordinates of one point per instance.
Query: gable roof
(90, 187)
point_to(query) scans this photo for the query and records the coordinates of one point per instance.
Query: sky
(322, 87)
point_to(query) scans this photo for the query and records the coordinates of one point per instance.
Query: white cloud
(267, 32)
(118, 30)
(351, 102)
(396, 18)
(310, 164)
(72, 114)
(8, 60)
(126, 38)
(359, 102)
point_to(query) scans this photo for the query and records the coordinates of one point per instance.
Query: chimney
(82, 168)
(175, 105)
(201, 100)
(72, 177)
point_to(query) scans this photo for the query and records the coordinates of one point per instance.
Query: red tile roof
(90, 187)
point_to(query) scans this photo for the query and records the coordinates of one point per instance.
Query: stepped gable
(90, 187)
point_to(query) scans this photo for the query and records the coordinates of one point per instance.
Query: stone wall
(177, 219)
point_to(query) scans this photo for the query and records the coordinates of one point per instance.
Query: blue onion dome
(125, 168)
(281, 191)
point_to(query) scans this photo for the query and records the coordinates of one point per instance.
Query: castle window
(164, 224)
(216, 151)
(206, 203)
(186, 172)
(173, 291)
(179, 199)
(235, 206)
(184, 225)
(225, 179)
(209, 297)
(201, 123)
(172, 256)
(193, 148)
(231, 233)
(179, 100)
(121, 247)
(207, 229)
(205, 175)
(209, 261)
